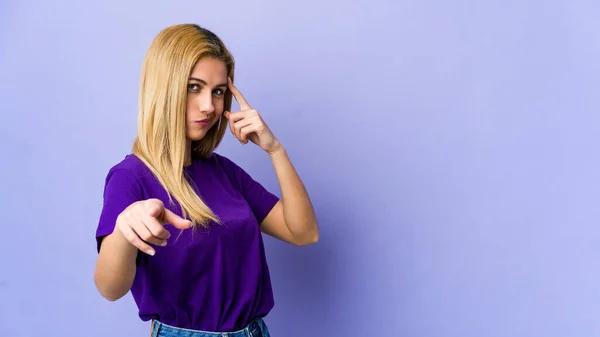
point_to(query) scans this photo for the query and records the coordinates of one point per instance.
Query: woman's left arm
(293, 218)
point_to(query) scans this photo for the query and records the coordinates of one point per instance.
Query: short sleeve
(261, 201)
(121, 189)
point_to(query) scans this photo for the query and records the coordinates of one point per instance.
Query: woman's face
(205, 96)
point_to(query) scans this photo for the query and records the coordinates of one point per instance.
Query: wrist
(276, 150)
(120, 241)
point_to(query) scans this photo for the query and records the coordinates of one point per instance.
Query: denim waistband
(257, 328)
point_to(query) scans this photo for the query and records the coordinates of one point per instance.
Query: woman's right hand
(143, 222)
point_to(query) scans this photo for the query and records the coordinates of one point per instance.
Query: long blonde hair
(161, 138)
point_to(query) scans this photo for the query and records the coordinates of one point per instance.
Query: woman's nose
(206, 104)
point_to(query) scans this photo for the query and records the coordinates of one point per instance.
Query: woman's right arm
(115, 267)
(141, 223)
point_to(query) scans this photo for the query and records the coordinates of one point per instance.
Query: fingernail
(151, 252)
(164, 243)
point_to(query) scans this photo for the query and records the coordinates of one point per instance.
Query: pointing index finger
(238, 95)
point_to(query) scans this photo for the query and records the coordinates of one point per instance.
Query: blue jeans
(257, 328)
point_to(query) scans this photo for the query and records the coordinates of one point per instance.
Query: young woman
(181, 225)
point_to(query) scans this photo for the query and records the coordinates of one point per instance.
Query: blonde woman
(181, 225)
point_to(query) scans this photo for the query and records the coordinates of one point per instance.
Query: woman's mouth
(203, 122)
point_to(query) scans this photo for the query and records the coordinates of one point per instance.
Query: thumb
(155, 209)
(226, 114)
(175, 220)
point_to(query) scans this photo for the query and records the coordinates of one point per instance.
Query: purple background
(450, 148)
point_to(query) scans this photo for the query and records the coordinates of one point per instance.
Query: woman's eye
(219, 92)
(193, 87)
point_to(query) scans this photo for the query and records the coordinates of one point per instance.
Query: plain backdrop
(450, 149)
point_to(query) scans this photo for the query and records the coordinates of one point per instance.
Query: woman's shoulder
(130, 166)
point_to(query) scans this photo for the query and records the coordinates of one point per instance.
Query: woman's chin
(196, 136)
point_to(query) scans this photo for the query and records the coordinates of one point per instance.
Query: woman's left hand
(247, 124)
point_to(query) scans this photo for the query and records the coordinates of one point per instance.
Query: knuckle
(157, 232)
(152, 208)
(130, 236)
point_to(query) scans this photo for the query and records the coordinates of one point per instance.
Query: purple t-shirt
(213, 279)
